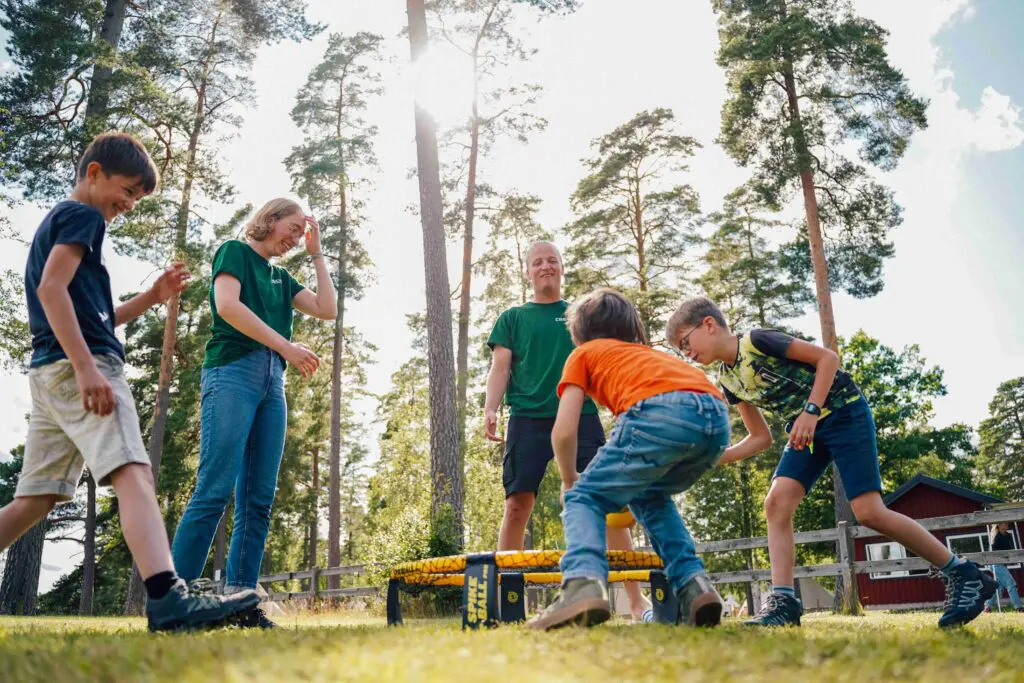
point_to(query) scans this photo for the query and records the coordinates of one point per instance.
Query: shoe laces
(953, 582)
(772, 604)
(202, 586)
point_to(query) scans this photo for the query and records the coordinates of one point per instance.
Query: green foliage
(1001, 461)
(15, 338)
(636, 218)
(745, 276)
(805, 77)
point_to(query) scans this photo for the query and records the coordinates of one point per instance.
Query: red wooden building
(920, 498)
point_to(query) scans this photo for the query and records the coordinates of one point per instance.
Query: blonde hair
(262, 223)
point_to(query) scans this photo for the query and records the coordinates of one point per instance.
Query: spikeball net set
(494, 583)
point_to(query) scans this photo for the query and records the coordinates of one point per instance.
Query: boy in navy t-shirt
(83, 412)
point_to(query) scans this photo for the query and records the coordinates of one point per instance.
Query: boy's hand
(802, 433)
(313, 237)
(491, 425)
(171, 281)
(566, 485)
(97, 394)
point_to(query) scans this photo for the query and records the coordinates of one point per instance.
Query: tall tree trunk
(99, 93)
(829, 338)
(314, 531)
(220, 547)
(747, 525)
(85, 605)
(136, 595)
(20, 585)
(465, 296)
(445, 473)
(337, 358)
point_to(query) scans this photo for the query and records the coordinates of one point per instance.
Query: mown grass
(876, 647)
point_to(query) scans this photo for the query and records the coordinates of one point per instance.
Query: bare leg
(518, 508)
(141, 520)
(783, 498)
(20, 515)
(620, 539)
(871, 511)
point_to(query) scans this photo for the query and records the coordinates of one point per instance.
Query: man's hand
(491, 425)
(802, 433)
(302, 358)
(97, 394)
(171, 281)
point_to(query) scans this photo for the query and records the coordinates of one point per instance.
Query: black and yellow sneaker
(779, 609)
(967, 589)
(583, 602)
(182, 610)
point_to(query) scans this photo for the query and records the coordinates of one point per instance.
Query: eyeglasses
(684, 343)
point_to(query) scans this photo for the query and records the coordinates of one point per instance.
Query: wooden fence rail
(843, 536)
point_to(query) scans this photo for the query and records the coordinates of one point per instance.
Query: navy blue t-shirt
(72, 222)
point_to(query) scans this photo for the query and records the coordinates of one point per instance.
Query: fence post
(314, 587)
(847, 556)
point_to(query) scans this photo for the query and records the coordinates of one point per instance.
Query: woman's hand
(313, 237)
(303, 358)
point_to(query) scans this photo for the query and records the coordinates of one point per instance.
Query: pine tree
(336, 151)
(1002, 440)
(637, 217)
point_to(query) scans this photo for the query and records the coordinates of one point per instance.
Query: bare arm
(564, 433)
(226, 291)
(497, 383)
(60, 268)
(171, 281)
(826, 364)
(324, 303)
(758, 437)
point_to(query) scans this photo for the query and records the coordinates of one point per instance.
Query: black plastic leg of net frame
(394, 607)
(480, 592)
(666, 604)
(513, 597)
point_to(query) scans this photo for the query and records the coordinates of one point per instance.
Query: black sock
(159, 585)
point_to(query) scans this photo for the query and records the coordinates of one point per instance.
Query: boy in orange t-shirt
(672, 426)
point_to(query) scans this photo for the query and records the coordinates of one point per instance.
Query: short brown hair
(120, 153)
(260, 225)
(605, 314)
(691, 313)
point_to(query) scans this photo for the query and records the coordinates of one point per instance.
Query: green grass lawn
(905, 647)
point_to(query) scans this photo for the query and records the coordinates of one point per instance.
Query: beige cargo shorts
(63, 437)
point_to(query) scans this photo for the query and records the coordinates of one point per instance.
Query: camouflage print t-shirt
(762, 376)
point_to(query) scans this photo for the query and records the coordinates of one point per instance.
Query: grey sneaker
(180, 609)
(583, 602)
(699, 603)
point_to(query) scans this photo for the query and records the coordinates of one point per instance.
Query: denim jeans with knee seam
(658, 448)
(1004, 579)
(244, 417)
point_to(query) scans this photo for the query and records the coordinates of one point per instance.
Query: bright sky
(953, 287)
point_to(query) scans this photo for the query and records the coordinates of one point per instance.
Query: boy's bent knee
(783, 498)
(519, 505)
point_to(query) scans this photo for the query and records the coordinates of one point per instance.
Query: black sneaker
(180, 609)
(779, 610)
(967, 589)
(257, 618)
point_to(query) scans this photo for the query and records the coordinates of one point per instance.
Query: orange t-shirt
(618, 374)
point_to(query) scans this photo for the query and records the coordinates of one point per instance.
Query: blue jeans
(1004, 579)
(659, 447)
(244, 417)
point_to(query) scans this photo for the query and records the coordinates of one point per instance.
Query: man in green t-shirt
(531, 343)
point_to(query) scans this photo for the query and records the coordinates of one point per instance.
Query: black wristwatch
(812, 408)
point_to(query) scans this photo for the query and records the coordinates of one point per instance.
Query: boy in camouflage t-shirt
(829, 421)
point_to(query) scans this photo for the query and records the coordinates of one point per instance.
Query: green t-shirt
(540, 343)
(267, 290)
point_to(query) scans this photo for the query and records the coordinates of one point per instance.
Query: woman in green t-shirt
(244, 415)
